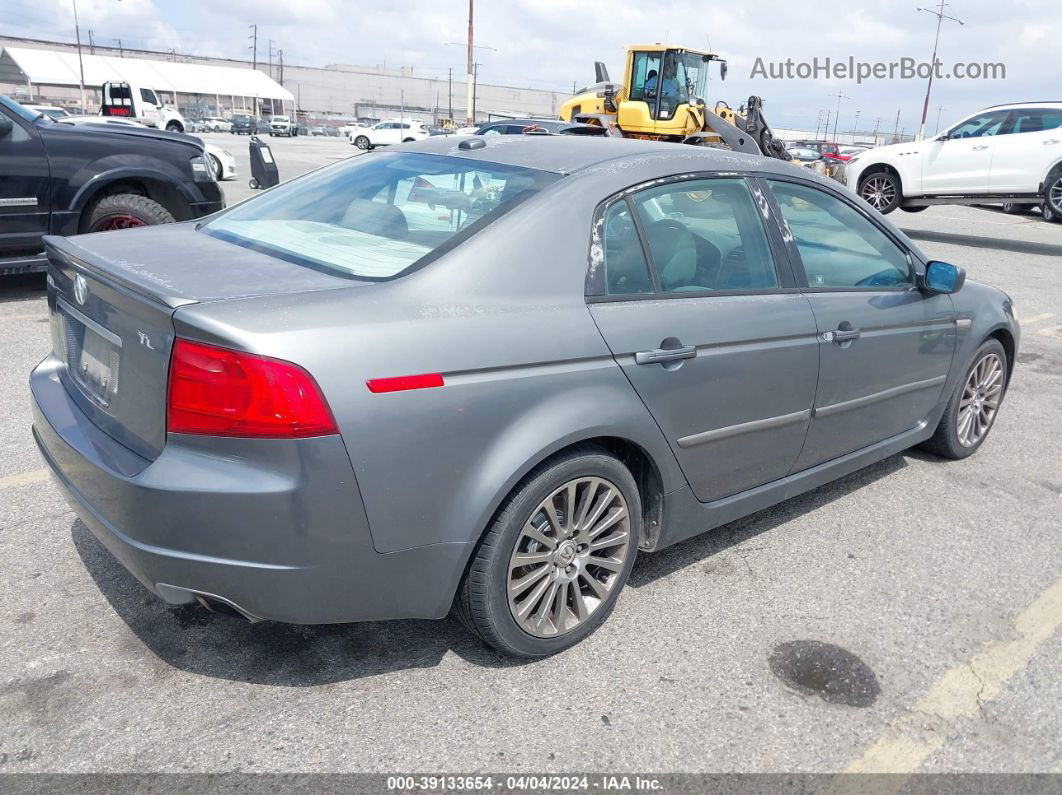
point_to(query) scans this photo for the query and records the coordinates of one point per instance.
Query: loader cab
(660, 85)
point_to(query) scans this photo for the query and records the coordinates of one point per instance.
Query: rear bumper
(273, 527)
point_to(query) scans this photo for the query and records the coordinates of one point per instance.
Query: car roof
(1032, 103)
(568, 154)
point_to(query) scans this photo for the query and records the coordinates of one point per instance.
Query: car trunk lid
(111, 299)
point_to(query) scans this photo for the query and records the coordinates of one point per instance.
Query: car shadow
(191, 639)
(978, 241)
(22, 287)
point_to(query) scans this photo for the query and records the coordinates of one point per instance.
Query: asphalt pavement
(934, 587)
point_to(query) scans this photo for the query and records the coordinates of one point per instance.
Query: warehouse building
(202, 85)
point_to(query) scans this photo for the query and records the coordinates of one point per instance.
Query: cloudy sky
(551, 43)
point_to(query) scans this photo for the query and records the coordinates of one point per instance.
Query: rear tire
(113, 212)
(593, 498)
(954, 437)
(882, 191)
(219, 172)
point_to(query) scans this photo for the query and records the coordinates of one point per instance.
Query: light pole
(80, 63)
(470, 81)
(939, 109)
(941, 16)
(836, 118)
(855, 128)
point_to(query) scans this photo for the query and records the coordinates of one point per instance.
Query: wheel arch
(157, 190)
(1010, 346)
(877, 168)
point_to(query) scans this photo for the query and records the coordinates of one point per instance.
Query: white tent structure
(38, 67)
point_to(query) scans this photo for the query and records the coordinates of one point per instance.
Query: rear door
(24, 186)
(1030, 144)
(697, 303)
(885, 347)
(961, 163)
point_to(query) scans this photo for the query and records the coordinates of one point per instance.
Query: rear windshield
(378, 216)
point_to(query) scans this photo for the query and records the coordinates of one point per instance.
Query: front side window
(980, 126)
(375, 217)
(839, 246)
(147, 95)
(706, 235)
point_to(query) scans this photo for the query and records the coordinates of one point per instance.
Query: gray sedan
(480, 375)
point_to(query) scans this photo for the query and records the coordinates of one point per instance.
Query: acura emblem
(80, 289)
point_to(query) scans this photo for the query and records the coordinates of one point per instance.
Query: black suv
(65, 179)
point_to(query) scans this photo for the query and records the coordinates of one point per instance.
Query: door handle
(844, 333)
(1051, 142)
(979, 147)
(662, 355)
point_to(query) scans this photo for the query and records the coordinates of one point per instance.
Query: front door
(885, 347)
(24, 183)
(717, 343)
(961, 162)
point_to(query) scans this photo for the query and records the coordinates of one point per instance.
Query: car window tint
(838, 245)
(626, 272)
(1036, 120)
(706, 235)
(374, 217)
(980, 126)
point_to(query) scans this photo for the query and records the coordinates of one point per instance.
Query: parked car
(540, 127)
(282, 125)
(803, 155)
(130, 101)
(70, 178)
(245, 124)
(216, 124)
(1010, 153)
(501, 304)
(392, 131)
(48, 110)
(318, 129)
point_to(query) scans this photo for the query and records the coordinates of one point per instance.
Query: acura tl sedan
(480, 375)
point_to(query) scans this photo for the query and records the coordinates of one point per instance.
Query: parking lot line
(24, 478)
(962, 691)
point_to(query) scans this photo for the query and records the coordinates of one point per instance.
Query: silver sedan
(481, 375)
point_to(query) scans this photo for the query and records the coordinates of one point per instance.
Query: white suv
(1010, 153)
(392, 131)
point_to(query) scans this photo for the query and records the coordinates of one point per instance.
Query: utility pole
(450, 80)
(826, 129)
(837, 118)
(254, 57)
(470, 90)
(941, 16)
(818, 123)
(121, 52)
(80, 63)
(280, 56)
(92, 43)
(877, 124)
(270, 59)
(896, 129)
(574, 89)
(939, 109)
(855, 128)
(475, 78)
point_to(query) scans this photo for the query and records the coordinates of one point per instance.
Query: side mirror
(943, 137)
(722, 70)
(6, 125)
(942, 277)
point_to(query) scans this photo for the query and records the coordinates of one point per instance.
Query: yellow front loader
(662, 98)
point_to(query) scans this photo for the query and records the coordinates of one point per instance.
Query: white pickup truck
(142, 104)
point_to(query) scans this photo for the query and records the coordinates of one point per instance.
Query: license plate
(92, 355)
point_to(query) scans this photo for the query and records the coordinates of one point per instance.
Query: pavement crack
(980, 695)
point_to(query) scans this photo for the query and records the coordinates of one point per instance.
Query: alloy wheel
(568, 557)
(1054, 197)
(119, 222)
(980, 400)
(879, 192)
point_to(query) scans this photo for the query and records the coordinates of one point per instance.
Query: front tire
(1052, 206)
(219, 172)
(362, 143)
(174, 126)
(882, 191)
(126, 211)
(550, 567)
(971, 412)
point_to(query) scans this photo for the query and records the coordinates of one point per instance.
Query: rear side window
(375, 217)
(706, 235)
(626, 271)
(1036, 120)
(839, 247)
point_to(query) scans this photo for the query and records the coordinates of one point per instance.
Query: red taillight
(404, 382)
(220, 392)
